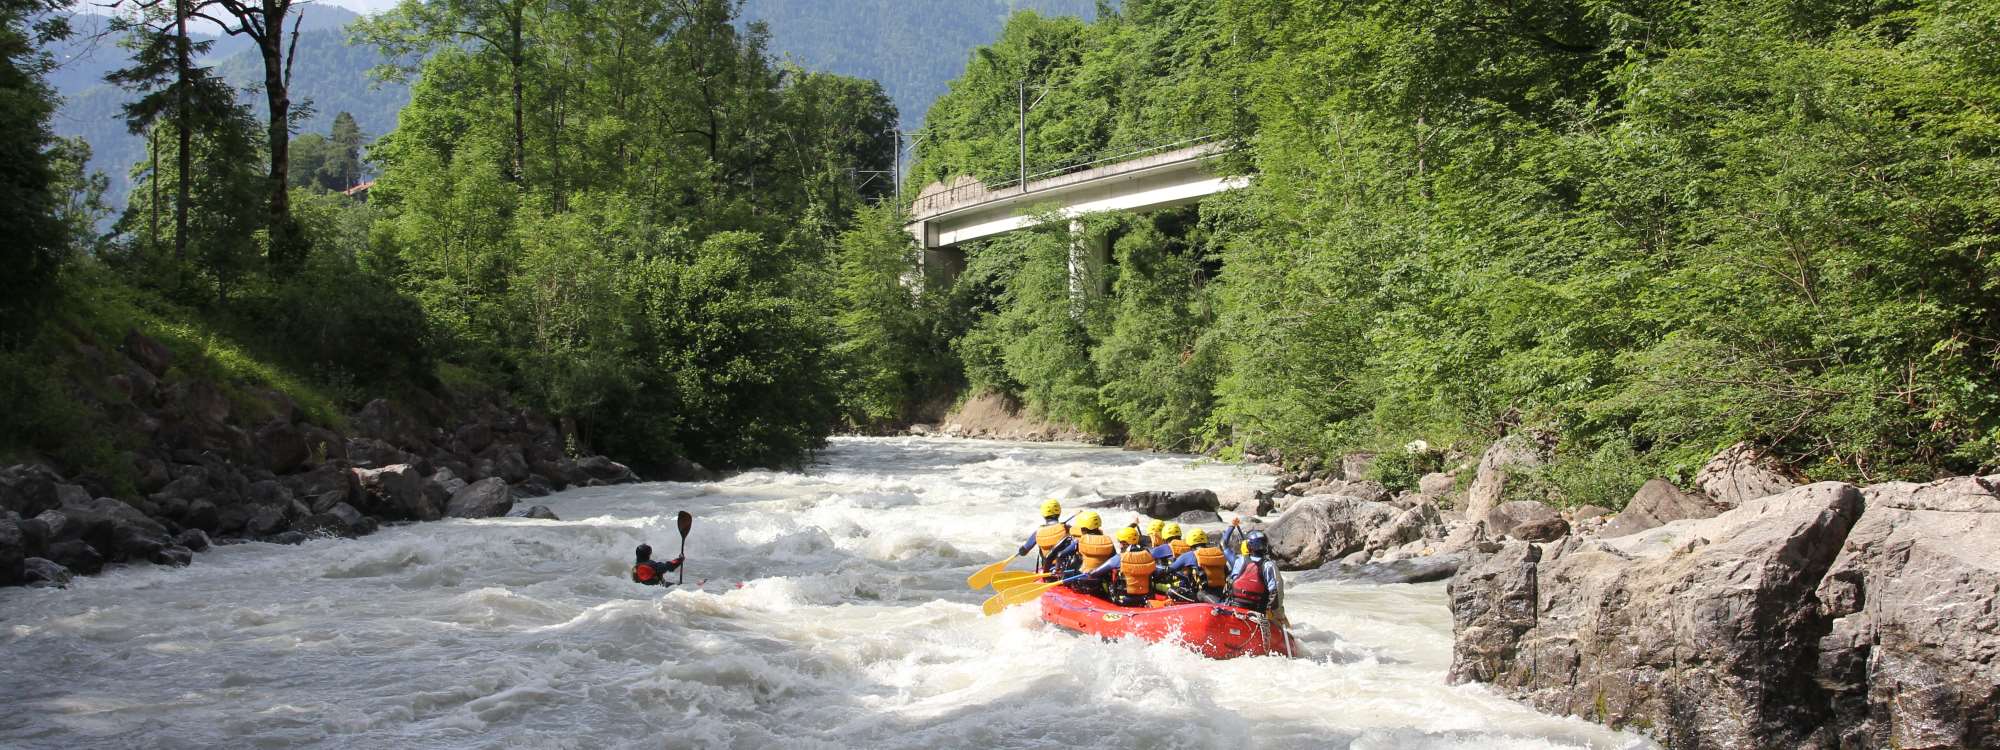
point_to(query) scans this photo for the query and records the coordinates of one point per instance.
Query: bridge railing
(971, 192)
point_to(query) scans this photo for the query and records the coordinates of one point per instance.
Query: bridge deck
(945, 216)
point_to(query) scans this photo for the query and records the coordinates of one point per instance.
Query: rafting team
(1158, 565)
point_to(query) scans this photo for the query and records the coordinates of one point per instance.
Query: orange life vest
(1136, 567)
(1047, 537)
(1179, 547)
(1213, 564)
(1095, 549)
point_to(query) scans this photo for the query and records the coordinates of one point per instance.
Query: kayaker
(1093, 549)
(650, 572)
(1055, 548)
(1199, 572)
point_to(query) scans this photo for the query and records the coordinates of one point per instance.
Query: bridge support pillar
(941, 266)
(1088, 255)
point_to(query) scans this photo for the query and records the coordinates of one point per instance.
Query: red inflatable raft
(1212, 630)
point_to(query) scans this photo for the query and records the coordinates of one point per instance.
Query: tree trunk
(153, 149)
(184, 135)
(285, 250)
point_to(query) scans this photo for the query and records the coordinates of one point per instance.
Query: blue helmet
(1259, 544)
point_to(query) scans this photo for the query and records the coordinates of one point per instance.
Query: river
(831, 612)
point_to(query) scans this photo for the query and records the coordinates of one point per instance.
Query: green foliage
(890, 359)
(1650, 229)
(1400, 470)
(28, 199)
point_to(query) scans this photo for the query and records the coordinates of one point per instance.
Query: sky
(362, 6)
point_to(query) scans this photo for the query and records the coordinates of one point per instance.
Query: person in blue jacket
(1055, 548)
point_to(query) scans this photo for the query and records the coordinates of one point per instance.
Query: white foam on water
(831, 613)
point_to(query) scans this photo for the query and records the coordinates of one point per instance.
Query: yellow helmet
(1153, 528)
(1245, 547)
(1051, 507)
(1089, 521)
(1128, 535)
(1170, 530)
(1196, 536)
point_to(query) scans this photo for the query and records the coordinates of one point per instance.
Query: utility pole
(896, 166)
(1021, 131)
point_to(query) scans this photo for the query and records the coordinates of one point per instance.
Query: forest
(1639, 231)
(626, 213)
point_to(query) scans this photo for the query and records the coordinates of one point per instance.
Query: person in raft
(1092, 549)
(1130, 573)
(1170, 545)
(1152, 537)
(1198, 573)
(1055, 548)
(1254, 583)
(647, 571)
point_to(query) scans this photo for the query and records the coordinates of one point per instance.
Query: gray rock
(1437, 485)
(606, 470)
(1354, 466)
(1702, 630)
(1527, 520)
(1411, 570)
(1419, 521)
(474, 437)
(486, 498)
(341, 520)
(1320, 529)
(1509, 454)
(288, 537)
(29, 489)
(281, 447)
(44, 573)
(506, 462)
(325, 486)
(1161, 504)
(1913, 655)
(193, 539)
(1585, 513)
(13, 551)
(535, 488)
(397, 492)
(173, 555)
(1740, 473)
(536, 511)
(448, 481)
(1658, 502)
(76, 555)
(117, 530)
(1197, 517)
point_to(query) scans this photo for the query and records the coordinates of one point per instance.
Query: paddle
(1016, 578)
(685, 521)
(978, 580)
(1021, 594)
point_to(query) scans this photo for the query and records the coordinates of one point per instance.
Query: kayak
(1212, 630)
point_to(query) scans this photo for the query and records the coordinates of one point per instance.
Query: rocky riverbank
(1745, 612)
(215, 464)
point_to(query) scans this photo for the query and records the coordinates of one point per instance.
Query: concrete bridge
(944, 216)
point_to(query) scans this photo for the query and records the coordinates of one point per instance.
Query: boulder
(473, 438)
(1740, 473)
(1161, 504)
(1658, 502)
(1527, 520)
(1354, 466)
(1419, 521)
(385, 421)
(324, 486)
(605, 470)
(77, 556)
(534, 487)
(281, 448)
(44, 573)
(341, 520)
(13, 551)
(506, 462)
(1913, 655)
(680, 469)
(1507, 455)
(448, 481)
(397, 492)
(1437, 485)
(486, 498)
(1410, 570)
(1197, 517)
(29, 489)
(174, 555)
(287, 537)
(116, 530)
(1585, 513)
(193, 539)
(1704, 631)
(1320, 529)
(147, 353)
(536, 511)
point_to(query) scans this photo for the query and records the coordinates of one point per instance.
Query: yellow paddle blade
(993, 605)
(985, 575)
(1009, 580)
(1021, 594)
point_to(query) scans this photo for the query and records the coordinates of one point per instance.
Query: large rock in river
(1159, 504)
(486, 498)
(1914, 652)
(1324, 528)
(1705, 632)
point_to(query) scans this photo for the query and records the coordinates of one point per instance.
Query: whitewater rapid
(832, 613)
